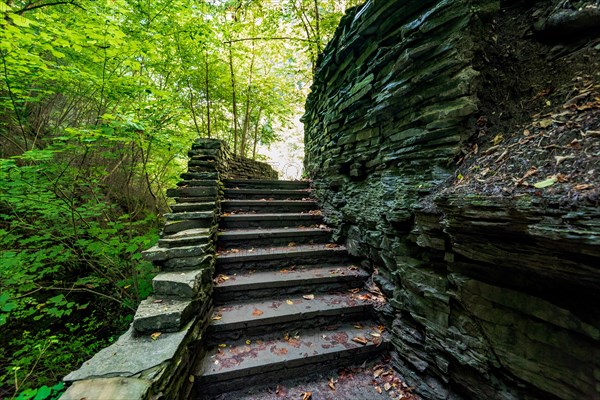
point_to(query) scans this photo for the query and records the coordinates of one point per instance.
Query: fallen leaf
(377, 372)
(360, 339)
(157, 301)
(309, 296)
(291, 244)
(583, 186)
(562, 178)
(560, 159)
(257, 312)
(387, 386)
(375, 334)
(378, 389)
(497, 139)
(191, 378)
(280, 391)
(289, 302)
(545, 123)
(155, 335)
(358, 325)
(331, 246)
(222, 345)
(331, 384)
(306, 395)
(217, 317)
(545, 183)
(248, 341)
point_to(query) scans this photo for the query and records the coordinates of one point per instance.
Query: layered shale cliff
(454, 145)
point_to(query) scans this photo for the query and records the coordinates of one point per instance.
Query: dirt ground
(538, 130)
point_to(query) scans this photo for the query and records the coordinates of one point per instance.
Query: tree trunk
(256, 133)
(235, 128)
(206, 81)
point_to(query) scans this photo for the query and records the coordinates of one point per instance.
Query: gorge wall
(454, 147)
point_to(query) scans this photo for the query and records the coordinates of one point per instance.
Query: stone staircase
(287, 302)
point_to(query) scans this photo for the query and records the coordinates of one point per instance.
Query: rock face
(491, 296)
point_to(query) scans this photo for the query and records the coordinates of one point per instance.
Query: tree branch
(270, 38)
(33, 6)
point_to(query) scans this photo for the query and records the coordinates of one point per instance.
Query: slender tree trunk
(317, 29)
(207, 94)
(256, 133)
(235, 127)
(246, 128)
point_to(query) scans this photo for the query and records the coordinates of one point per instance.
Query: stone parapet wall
(490, 297)
(152, 360)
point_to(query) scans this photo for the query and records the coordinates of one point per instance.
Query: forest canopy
(99, 102)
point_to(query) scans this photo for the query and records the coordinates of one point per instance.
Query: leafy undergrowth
(71, 270)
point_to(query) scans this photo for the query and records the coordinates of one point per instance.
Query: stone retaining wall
(152, 360)
(489, 297)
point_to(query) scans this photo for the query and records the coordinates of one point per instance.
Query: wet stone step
(248, 238)
(282, 309)
(287, 282)
(275, 194)
(268, 206)
(281, 220)
(197, 182)
(280, 257)
(251, 361)
(190, 207)
(187, 238)
(265, 184)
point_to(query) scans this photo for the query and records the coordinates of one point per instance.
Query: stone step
(200, 175)
(251, 238)
(181, 221)
(300, 279)
(197, 182)
(274, 194)
(187, 207)
(251, 316)
(193, 191)
(195, 199)
(280, 220)
(188, 237)
(265, 184)
(281, 257)
(268, 206)
(247, 362)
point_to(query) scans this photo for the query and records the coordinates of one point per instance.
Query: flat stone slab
(196, 182)
(240, 359)
(187, 207)
(265, 183)
(191, 215)
(267, 193)
(192, 191)
(130, 355)
(163, 315)
(279, 310)
(274, 253)
(108, 389)
(247, 234)
(172, 227)
(185, 284)
(157, 253)
(300, 276)
(186, 238)
(188, 262)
